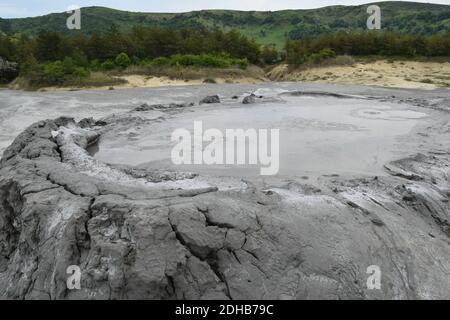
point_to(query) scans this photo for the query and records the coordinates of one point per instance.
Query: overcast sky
(29, 8)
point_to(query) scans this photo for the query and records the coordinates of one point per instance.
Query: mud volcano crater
(138, 229)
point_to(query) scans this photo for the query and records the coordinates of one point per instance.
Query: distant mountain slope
(265, 27)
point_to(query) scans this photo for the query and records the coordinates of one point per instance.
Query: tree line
(52, 56)
(140, 42)
(367, 43)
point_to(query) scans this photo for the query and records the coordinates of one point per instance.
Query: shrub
(108, 65)
(297, 55)
(68, 65)
(30, 65)
(53, 72)
(144, 63)
(122, 60)
(208, 60)
(80, 59)
(203, 60)
(135, 61)
(241, 63)
(95, 65)
(269, 55)
(80, 72)
(327, 53)
(161, 61)
(178, 61)
(184, 60)
(322, 55)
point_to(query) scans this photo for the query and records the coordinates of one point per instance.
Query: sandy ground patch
(401, 74)
(150, 81)
(141, 81)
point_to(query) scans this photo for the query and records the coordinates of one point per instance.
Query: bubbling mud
(318, 134)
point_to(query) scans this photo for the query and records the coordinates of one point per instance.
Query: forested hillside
(264, 27)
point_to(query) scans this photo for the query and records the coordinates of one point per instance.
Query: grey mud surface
(154, 233)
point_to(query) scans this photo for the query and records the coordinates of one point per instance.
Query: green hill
(265, 27)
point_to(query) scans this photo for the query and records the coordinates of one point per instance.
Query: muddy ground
(136, 233)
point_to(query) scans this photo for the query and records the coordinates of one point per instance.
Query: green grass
(192, 72)
(267, 36)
